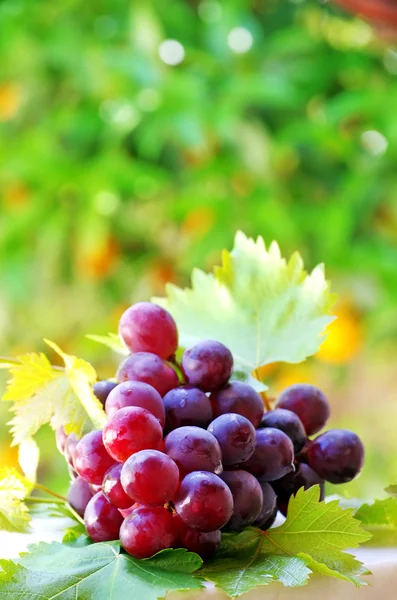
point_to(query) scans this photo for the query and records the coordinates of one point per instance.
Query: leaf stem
(75, 514)
(47, 490)
(39, 500)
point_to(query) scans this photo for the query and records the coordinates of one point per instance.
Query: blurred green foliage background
(137, 137)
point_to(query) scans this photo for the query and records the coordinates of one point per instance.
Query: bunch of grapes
(178, 462)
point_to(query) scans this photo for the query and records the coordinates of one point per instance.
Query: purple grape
(102, 520)
(102, 390)
(186, 405)
(207, 365)
(236, 436)
(336, 455)
(304, 477)
(60, 439)
(286, 421)
(240, 398)
(247, 498)
(268, 513)
(147, 530)
(273, 456)
(148, 368)
(193, 449)
(203, 543)
(136, 393)
(113, 490)
(70, 447)
(146, 327)
(150, 477)
(91, 459)
(204, 501)
(309, 403)
(79, 495)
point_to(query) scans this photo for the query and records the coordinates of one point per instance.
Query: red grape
(150, 477)
(102, 520)
(247, 498)
(149, 368)
(186, 405)
(207, 365)
(146, 327)
(193, 449)
(240, 398)
(203, 543)
(336, 455)
(79, 495)
(204, 501)
(129, 430)
(136, 393)
(268, 513)
(286, 421)
(273, 456)
(60, 439)
(69, 449)
(91, 459)
(112, 488)
(309, 403)
(236, 436)
(125, 512)
(147, 531)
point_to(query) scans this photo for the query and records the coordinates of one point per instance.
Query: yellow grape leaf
(263, 308)
(14, 488)
(44, 394)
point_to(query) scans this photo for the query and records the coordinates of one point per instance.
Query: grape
(60, 439)
(136, 393)
(95, 488)
(150, 369)
(91, 459)
(268, 513)
(70, 447)
(113, 490)
(240, 398)
(207, 365)
(102, 390)
(147, 531)
(150, 477)
(336, 455)
(309, 403)
(247, 498)
(236, 436)
(193, 449)
(146, 327)
(129, 430)
(79, 495)
(203, 543)
(125, 512)
(286, 421)
(102, 520)
(186, 405)
(304, 477)
(273, 456)
(204, 501)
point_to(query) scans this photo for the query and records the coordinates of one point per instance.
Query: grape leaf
(312, 538)
(99, 571)
(44, 394)
(263, 308)
(380, 518)
(112, 340)
(28, 458)
(392, 490)
(14, 515)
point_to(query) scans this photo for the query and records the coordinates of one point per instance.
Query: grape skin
(309, 403)
(193, 449)
(113, 490)
(240, 398)
(147, 531)
(60, 439)
(286, 421)
(204, 501)
(236, 436)
(247, 498)
(336, 455)
(147, 327)
(203, 543)
(69, 449)
(102, 390)
(148, 368)
(268, 513)
(129, 430)
(303, 476)
(186, 405)
(79, 495)
(207, 365)
(150, 477)
(102, 520)
(273, 456)
(136, 393)
(91, 459)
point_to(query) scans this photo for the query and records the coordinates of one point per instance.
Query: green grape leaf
(263, 308)
(99, 571)
(44, 394)
(112, 340)
(312, 539)
(14, 515)
(380, 518)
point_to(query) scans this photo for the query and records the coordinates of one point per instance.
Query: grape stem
(47, 490)
(263, 395)
(39, 500)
